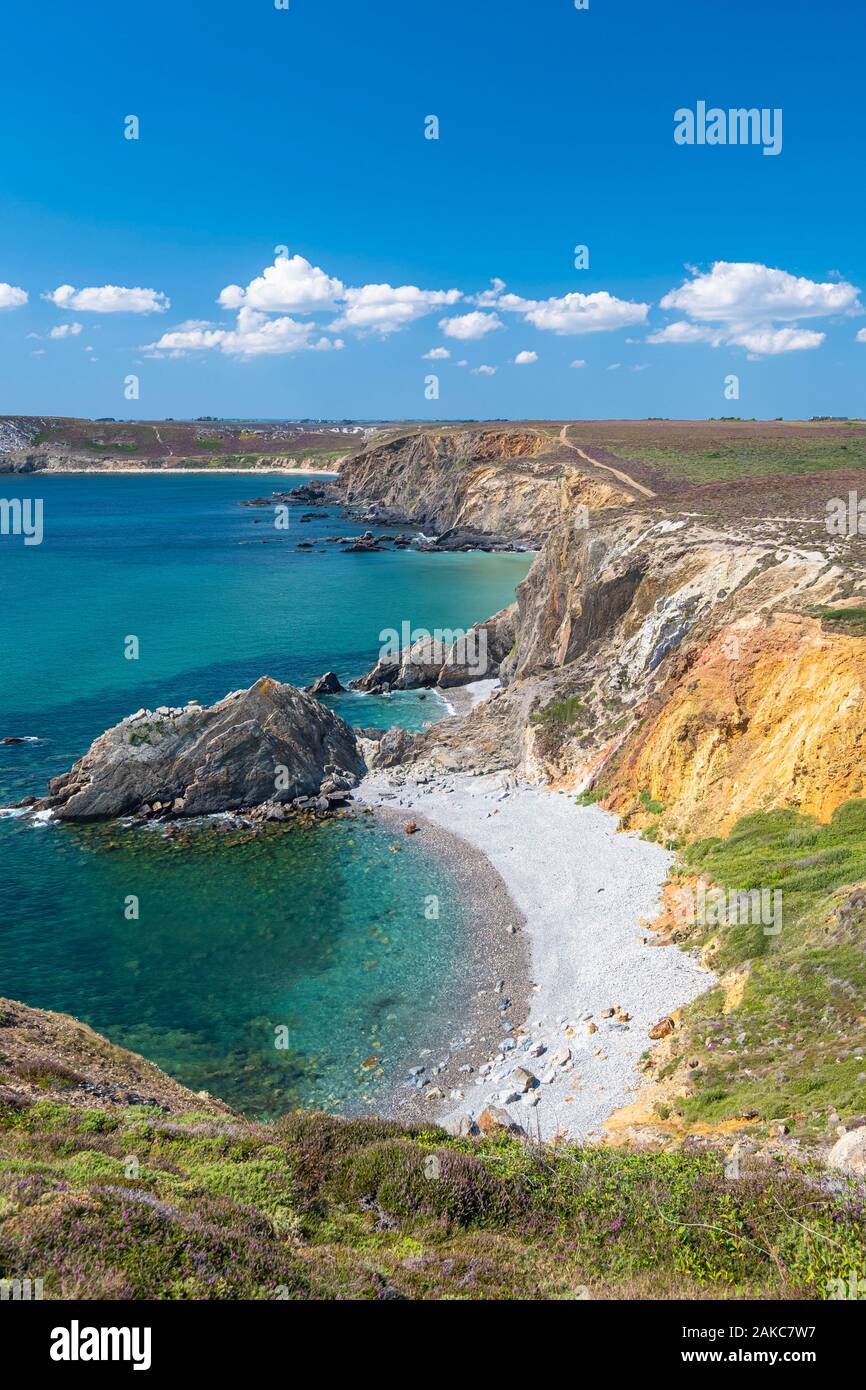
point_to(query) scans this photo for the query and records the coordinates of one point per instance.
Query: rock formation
(435, 660)
(506, 485)
(271, 743)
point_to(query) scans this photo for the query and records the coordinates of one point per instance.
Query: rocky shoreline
(553, 1049)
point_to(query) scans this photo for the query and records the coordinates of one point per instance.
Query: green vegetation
(851, 621)
(556, 721)
(654, 808)
(799, 453)
(562, 714)
(117, 447)
(794, 1047)
(587, 798)
(137, 1204)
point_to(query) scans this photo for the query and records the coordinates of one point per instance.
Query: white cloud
(11, 297)
(861, 336)
(290, 285)
(383, 309)
(467, 327)
(488, 297)
(66, 330)
(578, 362)
(640, 366)
(614, 366)
(484, 370)
(577, 313)
(523, 359)
(255, 335)
(436, 355)
(742, 304)
(109, 299)
(763, 342)
(683, 332)
(745, 292)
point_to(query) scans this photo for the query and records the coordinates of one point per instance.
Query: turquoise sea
(315, 939)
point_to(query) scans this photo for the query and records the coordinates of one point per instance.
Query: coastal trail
(608, 468)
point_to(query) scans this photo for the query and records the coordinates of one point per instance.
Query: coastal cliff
(513, 483)
(687, 657)
(697, 664)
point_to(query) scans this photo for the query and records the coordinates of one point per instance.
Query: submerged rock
(271, 743)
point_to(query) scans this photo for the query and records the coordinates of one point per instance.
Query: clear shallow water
(321, 932)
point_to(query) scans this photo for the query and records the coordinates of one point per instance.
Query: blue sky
(305, 129)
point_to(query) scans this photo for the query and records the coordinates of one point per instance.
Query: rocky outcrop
(271, 743)
(505, 485)
(46, 1056)
(328, 684)
(480, 655)
(445, 659)
(671, 664)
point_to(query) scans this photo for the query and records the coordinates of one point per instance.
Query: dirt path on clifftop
(617, 473)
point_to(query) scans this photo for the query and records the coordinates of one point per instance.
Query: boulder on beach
(271, 743)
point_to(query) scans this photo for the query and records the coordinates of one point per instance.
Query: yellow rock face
(770, 715)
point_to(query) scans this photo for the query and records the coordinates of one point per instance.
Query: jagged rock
(269, 743)
(417, 665)
(328, 684)
(484, 480)
(479, 655)
(394, 747)
(445, 659)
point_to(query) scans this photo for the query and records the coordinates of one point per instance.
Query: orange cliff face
(772, 713)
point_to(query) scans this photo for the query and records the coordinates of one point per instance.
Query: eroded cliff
(504, 482)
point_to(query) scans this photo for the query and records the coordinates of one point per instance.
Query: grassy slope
(794, 1047)
(313, 1207)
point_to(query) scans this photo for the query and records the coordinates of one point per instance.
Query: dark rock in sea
(304, 545)
(362, 546)
(465, 538)
(328, 684)
(371, 733)
(12, 738)
(271, 743)
(313, 494)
